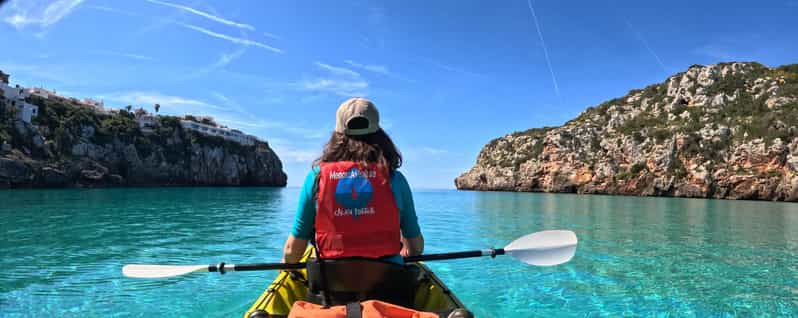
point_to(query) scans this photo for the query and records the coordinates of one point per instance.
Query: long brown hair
(372, 148)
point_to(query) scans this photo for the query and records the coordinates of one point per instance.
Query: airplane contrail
(645, 44)
(545, 50)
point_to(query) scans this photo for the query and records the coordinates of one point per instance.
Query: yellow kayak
(431, 294)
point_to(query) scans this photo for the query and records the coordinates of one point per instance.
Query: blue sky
(447, 76)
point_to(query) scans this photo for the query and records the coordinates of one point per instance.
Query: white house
(147, 123)
(41, 92)
(15, 97)
(12, 93)
(26, 111)
(226, 133)
(93, 103)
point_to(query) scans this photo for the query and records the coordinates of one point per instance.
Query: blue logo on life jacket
(354, 191)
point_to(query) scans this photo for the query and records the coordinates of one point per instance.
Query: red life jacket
(356, 213)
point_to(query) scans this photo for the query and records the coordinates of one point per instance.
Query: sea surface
(62, 251)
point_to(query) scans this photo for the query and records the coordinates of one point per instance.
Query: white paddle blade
(160, 271)
(545, 248)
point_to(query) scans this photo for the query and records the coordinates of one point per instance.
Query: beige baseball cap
(357, 116)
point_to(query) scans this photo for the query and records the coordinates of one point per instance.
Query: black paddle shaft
(442, 256)
(222, 268)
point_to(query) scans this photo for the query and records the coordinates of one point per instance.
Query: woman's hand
(294, 249)
(412, 246)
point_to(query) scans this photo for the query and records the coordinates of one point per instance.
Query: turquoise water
(62, 252)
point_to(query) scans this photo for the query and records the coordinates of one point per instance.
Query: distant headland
(49, 140)
(727, 131)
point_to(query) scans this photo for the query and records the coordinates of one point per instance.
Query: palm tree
(129, 107)
(157, 107)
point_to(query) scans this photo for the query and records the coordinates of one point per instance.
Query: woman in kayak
(354, 202)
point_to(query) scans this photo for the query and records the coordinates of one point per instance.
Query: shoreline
(630, 195)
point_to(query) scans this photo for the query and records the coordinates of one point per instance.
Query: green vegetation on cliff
(68, 122)
(747, 111)
(69, 143)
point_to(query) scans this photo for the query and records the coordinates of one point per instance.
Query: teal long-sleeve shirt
(305, 218)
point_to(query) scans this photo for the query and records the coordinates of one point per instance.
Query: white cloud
(340, 81)
(237, 115)
(715, 52)
(433, 151)
(37, 72)
(301, 148)
(204, 15)
(369, 67)
(231, 104)
(39, 13)
(169, 103)
(229, 113)
(733, 47)
(109, 9)
(239, 41)
(337, 70)
(448, 67)
(386, 123)
(271, 35)
(227, 58)
(379, 69)
(251, 122)
(102, 8)
(223, 60)
(342, 87)
(424, 153)
(291, 154)
(126, 55)
(221, 97)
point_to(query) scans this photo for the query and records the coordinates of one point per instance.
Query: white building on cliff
(12, 93)
(98, 105)
(41, 92)
(15, 97)
(226, 133)
(26, 110)
(147, 123)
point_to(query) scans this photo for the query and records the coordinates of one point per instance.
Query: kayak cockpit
(427, 293)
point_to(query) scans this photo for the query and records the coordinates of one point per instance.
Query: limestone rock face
(14, 173)
(53, 177)
(719, 131)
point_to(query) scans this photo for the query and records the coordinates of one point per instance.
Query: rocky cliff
(73, 145)
(720, 131)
